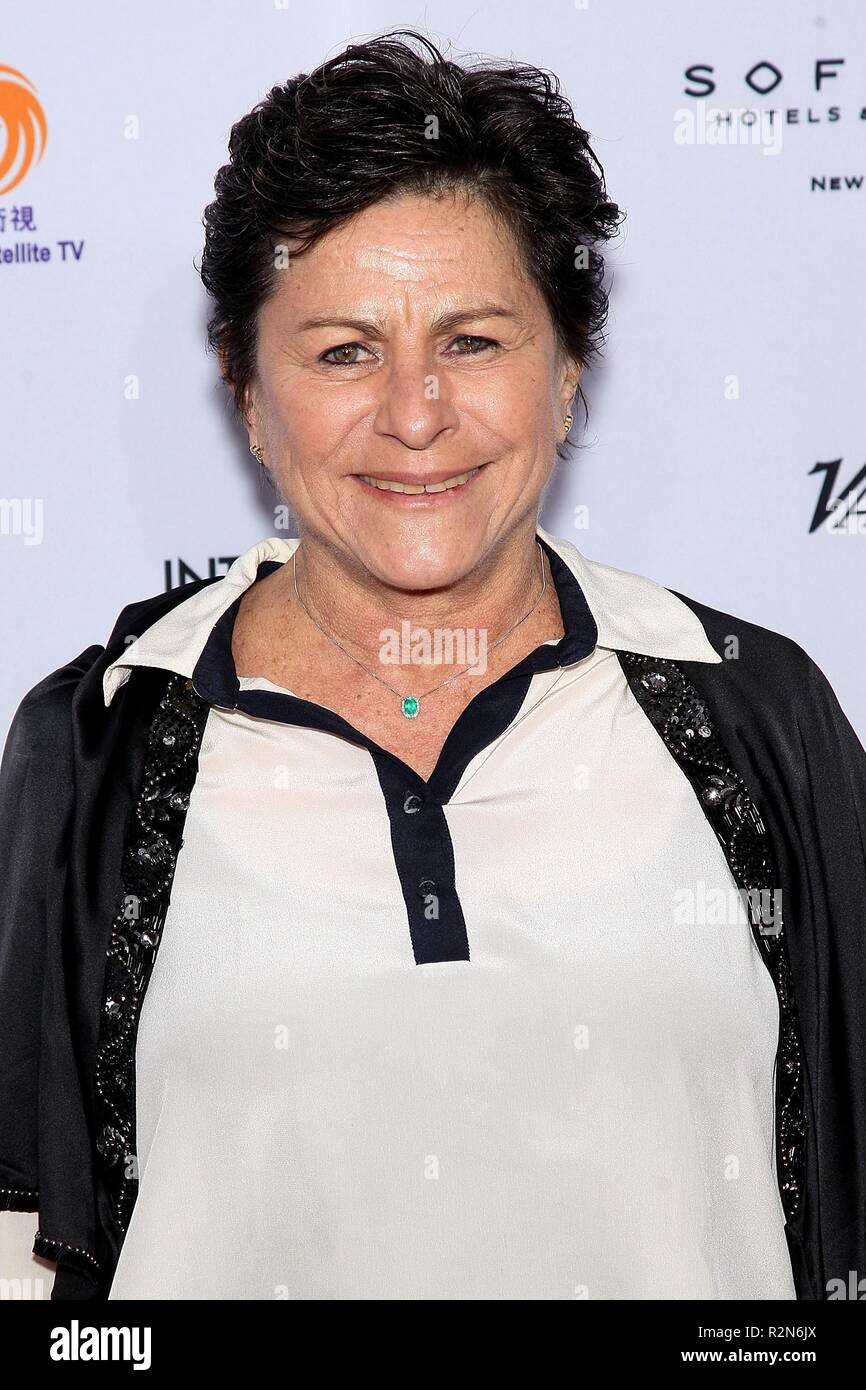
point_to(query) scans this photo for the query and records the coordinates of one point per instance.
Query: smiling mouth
(410, 489)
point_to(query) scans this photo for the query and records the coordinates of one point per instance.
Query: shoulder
(42, 715)
(736, 639)
(42, 720)
(767, 676)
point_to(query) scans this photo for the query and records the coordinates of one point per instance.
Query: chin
(424, 567)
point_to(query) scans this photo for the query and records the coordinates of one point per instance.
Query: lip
(423, 499)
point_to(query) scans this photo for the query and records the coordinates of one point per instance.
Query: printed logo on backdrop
(23, 136)
(178, 571)
(841, 510)
(764, 105)
(25, 129)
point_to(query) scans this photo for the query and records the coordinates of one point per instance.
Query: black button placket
(424, 859)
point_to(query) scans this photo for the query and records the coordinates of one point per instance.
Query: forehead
(411, 251)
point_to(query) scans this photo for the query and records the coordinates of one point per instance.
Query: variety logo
(25, 130)
(840, 512)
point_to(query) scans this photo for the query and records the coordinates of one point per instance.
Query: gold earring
(258, 451)
(569, 421)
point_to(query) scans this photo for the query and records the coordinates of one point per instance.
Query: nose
(415, 402)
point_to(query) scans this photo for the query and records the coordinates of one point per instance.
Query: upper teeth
(421, 487)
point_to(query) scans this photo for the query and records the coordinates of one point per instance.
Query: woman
(356, 940)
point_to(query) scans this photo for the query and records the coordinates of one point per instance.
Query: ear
(222, 357)
(570, 371)
(249, 415)
(247, 411)
(570, 384)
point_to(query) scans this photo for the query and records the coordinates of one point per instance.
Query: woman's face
(409, 345)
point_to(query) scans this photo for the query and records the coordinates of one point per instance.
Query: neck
(353, 606)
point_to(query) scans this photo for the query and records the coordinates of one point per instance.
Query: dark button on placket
(424, 860)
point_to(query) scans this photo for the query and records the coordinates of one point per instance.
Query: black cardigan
(792, 766)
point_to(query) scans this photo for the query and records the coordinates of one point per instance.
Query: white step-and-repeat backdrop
(726, 421)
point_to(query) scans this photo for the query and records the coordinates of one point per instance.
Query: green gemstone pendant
(410, 707)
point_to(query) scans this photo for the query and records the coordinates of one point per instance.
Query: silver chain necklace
(410, 705)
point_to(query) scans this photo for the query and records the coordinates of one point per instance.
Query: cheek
(297, 426)
(532, 388)
(531, 412)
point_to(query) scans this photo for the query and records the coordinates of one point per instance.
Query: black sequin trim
(19, 1199)
(147, 872)
(681, 717)
(59, 1251)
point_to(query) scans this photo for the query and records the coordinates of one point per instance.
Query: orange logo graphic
(24, 120)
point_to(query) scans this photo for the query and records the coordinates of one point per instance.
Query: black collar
(215, 677)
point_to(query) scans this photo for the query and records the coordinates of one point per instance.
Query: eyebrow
(441, 324)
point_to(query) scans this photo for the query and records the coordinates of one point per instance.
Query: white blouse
(475, 1037)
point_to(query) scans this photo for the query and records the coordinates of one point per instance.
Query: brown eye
(480, 344)
(326, 357)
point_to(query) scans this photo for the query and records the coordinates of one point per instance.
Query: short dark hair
(326, 145)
